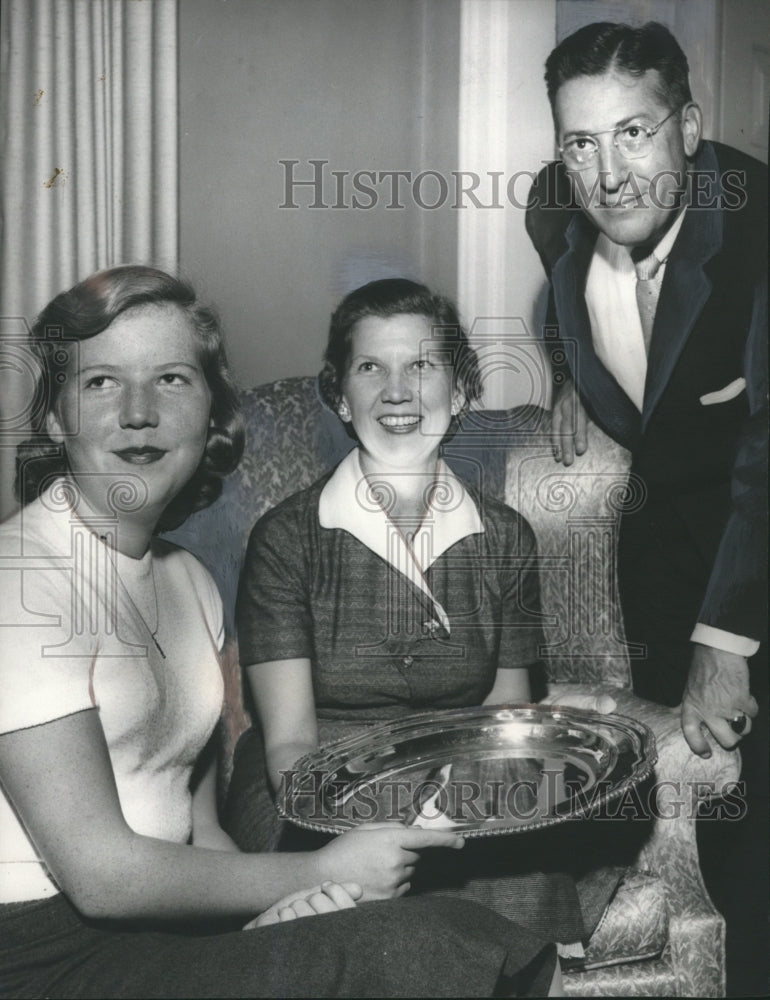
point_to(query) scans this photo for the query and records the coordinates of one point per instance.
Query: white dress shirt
(611, 300)
(616, 331)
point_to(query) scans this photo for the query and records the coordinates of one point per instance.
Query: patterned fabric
(648, 282)
(574, 513)
(655, 978)
(635, 926)
(694, 955)
(377, 649)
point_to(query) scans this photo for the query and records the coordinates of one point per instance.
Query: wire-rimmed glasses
(632, 141)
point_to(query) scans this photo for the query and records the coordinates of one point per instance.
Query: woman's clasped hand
(324, 898)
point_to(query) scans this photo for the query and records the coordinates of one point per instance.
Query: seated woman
(391, 587)
(115, 877)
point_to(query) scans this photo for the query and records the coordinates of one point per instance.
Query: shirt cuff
(707, 635)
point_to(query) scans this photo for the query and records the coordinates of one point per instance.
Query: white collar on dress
(349, 501)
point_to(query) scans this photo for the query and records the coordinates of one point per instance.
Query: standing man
(655, 244)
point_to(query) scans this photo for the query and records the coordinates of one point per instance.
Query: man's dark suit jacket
(704, 466)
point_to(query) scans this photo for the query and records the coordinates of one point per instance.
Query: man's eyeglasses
(631, 141)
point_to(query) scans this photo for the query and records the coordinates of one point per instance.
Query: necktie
(648, 282)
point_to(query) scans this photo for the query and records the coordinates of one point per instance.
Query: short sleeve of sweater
(46, 652)
(273, 614)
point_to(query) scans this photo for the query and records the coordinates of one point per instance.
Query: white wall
(745, 77)
(365, 85)
(695, 23)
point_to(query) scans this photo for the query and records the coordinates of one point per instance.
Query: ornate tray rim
(575, 716)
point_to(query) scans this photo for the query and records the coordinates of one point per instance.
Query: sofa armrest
(682, 781)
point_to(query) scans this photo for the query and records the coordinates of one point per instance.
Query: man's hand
(569, 425)
(381, 857)
(717, 691)
(326, 898)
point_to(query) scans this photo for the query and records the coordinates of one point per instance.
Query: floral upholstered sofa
(660, 934)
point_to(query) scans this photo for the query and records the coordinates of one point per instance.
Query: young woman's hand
(326, 898)
(381, 857)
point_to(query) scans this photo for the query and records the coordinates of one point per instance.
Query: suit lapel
(599, 388)
(686, 287)
(683, 295)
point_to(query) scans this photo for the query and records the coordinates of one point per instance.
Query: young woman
(115, 877)
(391, 587)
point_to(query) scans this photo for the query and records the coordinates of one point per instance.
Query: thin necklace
(152, 634)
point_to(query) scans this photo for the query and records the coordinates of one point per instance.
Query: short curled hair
(390, 297)
(604, 46)
(86, 310)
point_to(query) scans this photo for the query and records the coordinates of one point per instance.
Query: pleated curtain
(504, 126)
(89, 178)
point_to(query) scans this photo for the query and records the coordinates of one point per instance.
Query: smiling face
(632, 202)
(398, 392)
(135, 404)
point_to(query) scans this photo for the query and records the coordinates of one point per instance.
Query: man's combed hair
(605, 46)
(385, 299)
(86, 310)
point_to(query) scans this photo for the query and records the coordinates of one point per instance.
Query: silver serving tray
(477, 771)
